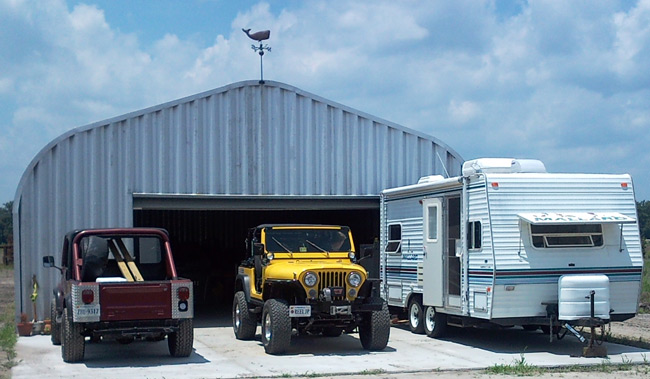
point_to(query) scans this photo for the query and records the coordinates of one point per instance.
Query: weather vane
(259, 37)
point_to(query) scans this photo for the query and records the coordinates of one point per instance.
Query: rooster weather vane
(259, 37)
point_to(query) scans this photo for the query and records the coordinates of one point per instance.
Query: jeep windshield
(307, 240)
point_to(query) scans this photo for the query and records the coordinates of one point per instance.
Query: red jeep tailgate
(135, 301)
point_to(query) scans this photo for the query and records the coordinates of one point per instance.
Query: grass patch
(8, 337)
(519, 367)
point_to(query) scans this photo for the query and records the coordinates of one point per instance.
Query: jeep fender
(243, 282)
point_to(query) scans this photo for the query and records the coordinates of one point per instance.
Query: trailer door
(433, 242)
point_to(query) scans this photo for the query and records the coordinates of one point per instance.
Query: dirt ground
(6, 288)
(636, 329)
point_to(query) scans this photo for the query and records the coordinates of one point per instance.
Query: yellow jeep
(304, 277)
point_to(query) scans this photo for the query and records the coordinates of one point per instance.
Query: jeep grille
(329, 279)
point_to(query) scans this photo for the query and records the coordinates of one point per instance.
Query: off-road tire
(243, 323)
(416, 315)
(374, 329)
(180, 342)
(73, 342)
(435, 323)
(332, 331)
(55, 331)
(276, 326)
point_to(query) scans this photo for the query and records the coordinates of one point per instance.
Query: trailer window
(567, 235)
(394, 238)
(474, 235)
(432, 232)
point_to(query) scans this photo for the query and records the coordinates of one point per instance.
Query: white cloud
(463, 111)
(566, 82)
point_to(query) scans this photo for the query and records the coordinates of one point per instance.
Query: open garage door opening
(208, 245)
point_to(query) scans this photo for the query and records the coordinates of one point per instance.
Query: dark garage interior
(208, 245)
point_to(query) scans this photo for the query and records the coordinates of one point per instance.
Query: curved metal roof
(242, 140)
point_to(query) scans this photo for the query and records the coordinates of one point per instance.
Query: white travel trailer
(508, 243)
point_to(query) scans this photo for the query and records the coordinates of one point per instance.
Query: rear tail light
(183, 293)
(87, 296)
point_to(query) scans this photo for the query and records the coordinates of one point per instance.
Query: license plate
(300, 311)
(87, 311)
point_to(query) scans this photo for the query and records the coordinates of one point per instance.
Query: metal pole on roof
(259, 37)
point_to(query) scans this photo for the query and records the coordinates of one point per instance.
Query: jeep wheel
(435, 323)
(374, 329)
(243, 322)
(416, 316)
(332, 331)
(180, 342)
(276, 326)
(73, 343)
(55, 332)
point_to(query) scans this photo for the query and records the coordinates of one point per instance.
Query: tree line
(6, 220)
(6, 223)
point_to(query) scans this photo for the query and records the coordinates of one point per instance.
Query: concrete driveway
(218, 354)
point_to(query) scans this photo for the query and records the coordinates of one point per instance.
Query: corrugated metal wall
(242, 139)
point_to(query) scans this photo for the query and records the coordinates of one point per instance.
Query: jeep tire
(435, 323)
(73, 342)
(55, 332)
(243, 323)
(374, 329)
(276, 326)
(180, 342)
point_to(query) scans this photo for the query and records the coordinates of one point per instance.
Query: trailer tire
(416, 315)
(374, 329)
(243, 323)
(73, 342)
(276, 326)
(180, 342)
(435, 323)
(55, 335)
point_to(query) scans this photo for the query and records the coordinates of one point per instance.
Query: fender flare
(245, 282)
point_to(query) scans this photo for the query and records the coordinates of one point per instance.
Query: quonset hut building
(207, 168)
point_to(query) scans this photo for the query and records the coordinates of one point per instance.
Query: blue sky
(567, 82)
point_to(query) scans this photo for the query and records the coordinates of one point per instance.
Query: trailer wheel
(435, 323)
(73, 342)
(180, 342)
(416, 316)
(374, 329)
(276, 326)
(55, 335)
(243, 323)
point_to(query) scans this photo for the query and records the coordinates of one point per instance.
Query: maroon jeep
(120, 284)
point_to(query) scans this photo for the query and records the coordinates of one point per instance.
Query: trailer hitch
(593, 348)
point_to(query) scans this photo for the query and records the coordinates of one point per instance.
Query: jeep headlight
(310, 279)
(354, 279)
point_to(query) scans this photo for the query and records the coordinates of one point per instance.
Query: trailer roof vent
(430, 179)
(502, 165)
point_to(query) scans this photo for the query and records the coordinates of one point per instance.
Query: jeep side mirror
(258, 248)
(48, 261)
